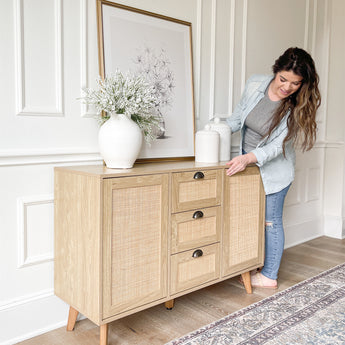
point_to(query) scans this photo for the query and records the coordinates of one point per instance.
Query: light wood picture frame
(159, 47)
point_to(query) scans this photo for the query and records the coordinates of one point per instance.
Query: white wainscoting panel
(313, 184)
(39, 61)
(35, 230)
(294, 195)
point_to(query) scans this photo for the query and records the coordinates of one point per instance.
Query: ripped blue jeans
(274, 233)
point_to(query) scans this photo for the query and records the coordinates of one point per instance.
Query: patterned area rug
(311, 312)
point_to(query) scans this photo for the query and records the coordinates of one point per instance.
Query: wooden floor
(156, 326)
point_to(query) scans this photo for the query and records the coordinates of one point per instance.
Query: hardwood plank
(157, 325)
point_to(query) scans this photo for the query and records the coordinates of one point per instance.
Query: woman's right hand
(239, 163)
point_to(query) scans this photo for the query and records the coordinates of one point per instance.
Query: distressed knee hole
(269, 224)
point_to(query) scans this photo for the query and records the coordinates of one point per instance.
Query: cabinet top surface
(140, 168)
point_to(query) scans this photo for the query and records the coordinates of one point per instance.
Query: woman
(275, 114)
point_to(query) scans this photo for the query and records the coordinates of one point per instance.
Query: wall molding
(231, 56)
(325, 70)
(295, 198)
(312, 190)
(86, 111)
(302, 232)
(330, 144)
(333, 226)
(84, 77)
(197, 57)
(23, 109)
(22, 309)
(49, 156)
(244, 45)
(12, 303)
(306, 24)
(231, 66)
(313, 40)
(213, 57)
(310, 19)
(23, 203)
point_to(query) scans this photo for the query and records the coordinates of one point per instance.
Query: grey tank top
(258, 122)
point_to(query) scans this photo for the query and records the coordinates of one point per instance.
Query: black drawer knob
(198, 175)
(197, 253)
(198, 214)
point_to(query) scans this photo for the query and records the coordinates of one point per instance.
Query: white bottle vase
(120, 140)
(224, 131)
(207, 145)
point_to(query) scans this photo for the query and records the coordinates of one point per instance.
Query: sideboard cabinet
(129, 239)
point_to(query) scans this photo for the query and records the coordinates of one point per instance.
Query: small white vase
(120, 140)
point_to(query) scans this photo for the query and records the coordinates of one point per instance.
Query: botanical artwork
(158, 48)
(154, 66)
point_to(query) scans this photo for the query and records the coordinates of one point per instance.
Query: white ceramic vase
(120, 140)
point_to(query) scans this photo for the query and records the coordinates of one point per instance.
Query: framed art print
(160, 49)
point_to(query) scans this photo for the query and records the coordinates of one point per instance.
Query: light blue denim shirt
(277, 171)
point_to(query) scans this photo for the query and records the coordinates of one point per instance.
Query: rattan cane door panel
(243, 225)
(195, 189)
(134, 242)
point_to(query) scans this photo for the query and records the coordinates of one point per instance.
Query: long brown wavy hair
(302, 104)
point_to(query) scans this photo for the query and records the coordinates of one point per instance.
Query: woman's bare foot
(260, 281)
(253, 272)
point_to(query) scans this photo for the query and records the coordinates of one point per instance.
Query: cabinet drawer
(195, 228)
(195, 189)
(188, 271)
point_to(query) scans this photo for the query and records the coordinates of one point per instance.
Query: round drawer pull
(198, 175)
(197, 253)
(198, 214)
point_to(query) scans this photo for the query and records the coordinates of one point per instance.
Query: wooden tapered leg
(72, 318)
(103, 334)
(247, 282)
(169, 304)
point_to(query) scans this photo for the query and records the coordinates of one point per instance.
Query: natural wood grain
(189, 193)
(134, 242)
(121, 235)
(188, 271)
(77, 234)
(169, 304)
(188, 232)
(157, 325)
(143, 169)
(72, 318)
(243, 222)
(246, 281)
(103, 334)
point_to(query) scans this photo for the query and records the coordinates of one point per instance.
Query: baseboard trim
(306, 239)
(333, 226)
(13, 303)
(302, 232)
(30, 316)
(34, 333)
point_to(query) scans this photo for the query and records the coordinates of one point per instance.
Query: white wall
(49, 51)
(334, 195)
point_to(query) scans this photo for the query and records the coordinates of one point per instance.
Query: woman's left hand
(239, 163)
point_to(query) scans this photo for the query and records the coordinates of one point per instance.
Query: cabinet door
(135, 219)
(243, 225)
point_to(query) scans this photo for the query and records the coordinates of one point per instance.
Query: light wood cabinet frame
(101, 246)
